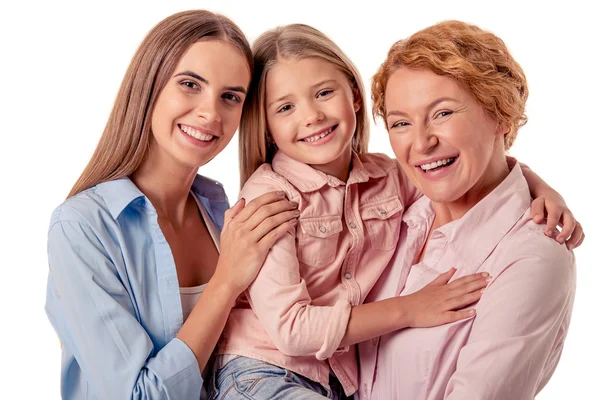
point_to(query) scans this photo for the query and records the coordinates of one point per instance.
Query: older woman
(453, 99)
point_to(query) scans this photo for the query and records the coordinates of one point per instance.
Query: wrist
(401, 313)
(222, 290)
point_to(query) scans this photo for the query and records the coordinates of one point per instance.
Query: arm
(430, 306)
(547, 200)
(521, 323)
(95, 319)
(248, 234)
(281, 301)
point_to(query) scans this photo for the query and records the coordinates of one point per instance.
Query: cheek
(231, 119)
(399, 147)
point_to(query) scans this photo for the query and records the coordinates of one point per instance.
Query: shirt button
(382, 211)
(352, 225)
(348, 275)
(322, 229)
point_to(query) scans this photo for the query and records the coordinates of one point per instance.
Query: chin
(439, 195)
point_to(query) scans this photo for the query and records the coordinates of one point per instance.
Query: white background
(61, 65)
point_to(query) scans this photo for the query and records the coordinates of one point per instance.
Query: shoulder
(380, 160)
(265, 180)
(527, 252)
(84, 207)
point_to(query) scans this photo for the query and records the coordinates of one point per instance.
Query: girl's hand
(249, 231)
(555, 209)
(435, 303)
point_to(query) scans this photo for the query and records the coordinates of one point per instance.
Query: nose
(312, 114)
(208, 108)
(425, 139)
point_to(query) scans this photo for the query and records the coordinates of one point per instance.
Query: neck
(166, 183)
(495, 173)
(340, 167)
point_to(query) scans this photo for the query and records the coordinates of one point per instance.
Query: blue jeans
(250, 379)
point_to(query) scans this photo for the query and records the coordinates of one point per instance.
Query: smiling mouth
(203, 137)
(320, 136)
(437, 165)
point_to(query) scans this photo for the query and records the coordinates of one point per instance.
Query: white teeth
(317, 137)
(196, 134)
(435, 164)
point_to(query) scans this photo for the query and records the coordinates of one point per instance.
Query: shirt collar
(308, 179)
(474, 236)
(118, 194)
(478, 232)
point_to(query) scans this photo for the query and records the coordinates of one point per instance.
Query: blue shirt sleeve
(95, 318)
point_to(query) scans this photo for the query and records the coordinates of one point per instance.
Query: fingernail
(485, 274)
(281, 193)
(489, 279)
(471, 312)
(293, 221)
(296, 212)
(561, 240)
(294, 203)
(482, 290)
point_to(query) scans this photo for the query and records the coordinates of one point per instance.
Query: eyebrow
(429, 107)
(316, 85)
(194, 75)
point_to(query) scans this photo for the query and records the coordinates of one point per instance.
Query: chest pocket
(318, 239)
(382, 220)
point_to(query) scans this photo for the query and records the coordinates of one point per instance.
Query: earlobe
(502, 129)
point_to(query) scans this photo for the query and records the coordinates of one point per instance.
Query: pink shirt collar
(307, 179)
(471, 236)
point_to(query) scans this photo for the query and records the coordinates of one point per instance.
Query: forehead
(217, 61)
(290, 75)
(416, 86)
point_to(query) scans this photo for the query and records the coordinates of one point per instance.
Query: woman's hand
(434, 304)
(249, 231)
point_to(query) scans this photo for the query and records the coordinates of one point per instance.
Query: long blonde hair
(290, 42)
(125, 141)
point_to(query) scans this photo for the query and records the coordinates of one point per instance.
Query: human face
(311, 113)
(199, 109)
(444, 140)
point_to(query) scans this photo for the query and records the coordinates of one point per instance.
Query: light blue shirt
(113, 295)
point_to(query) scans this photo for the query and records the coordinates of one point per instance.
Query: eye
(231, 97)
(284, 108)
(324, 93)
(190, 85)
(399, 124)
(443, 114)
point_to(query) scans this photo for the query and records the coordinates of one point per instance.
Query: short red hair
(478, 60)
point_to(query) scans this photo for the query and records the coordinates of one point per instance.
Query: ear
(502, 129)
(357, 100)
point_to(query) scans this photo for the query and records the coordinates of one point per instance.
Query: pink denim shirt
(511, 347)
(295, 313)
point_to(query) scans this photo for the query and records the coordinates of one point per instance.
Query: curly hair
(478, 60)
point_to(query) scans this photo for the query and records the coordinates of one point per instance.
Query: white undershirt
(190, 295)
